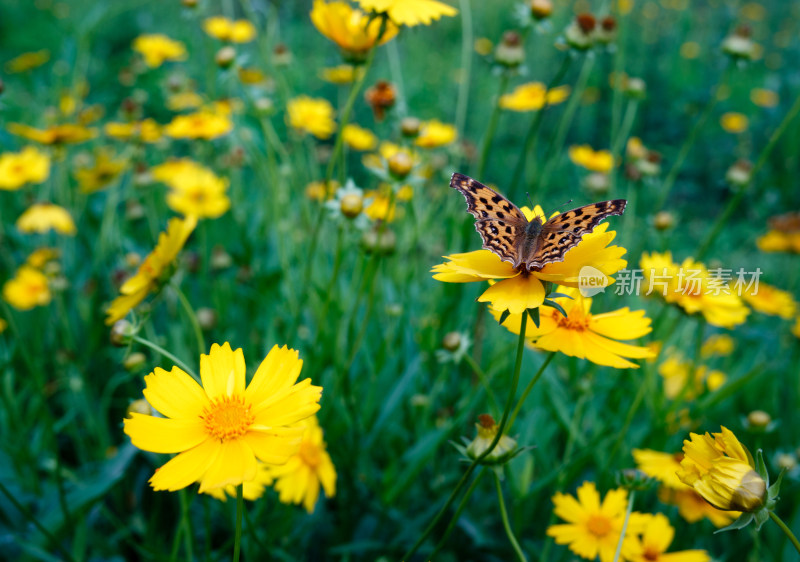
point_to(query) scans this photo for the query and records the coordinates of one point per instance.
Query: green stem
(528, 147)
(461, 505)
(462, 102)
(528, 388)
(734, 203)
(669, 181)
(186, 523)
(500, 429)
(237, 539)
(786, 530)
(491, 128)
(624, 525)
(484, 380)
(167, 354)
(506, 524)
(187, 306)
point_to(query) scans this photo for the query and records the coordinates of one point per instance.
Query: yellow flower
(516, 291)
(43, 217)
(104, 171)
(27, 166)
(149, 275)
(533, 96)
(720, 345)
(692, 507)
(195, 190)
(251, 490)
(56, 134)
(656, 537)
(593, 527)
(734, 122)
(409, 12)
(221, 428)
(763, 97)
(316, 190)
(770, 300)
(239, 31)
(342, 74)
(41, 256)
(661, 466)
(597, 161)
(27, 61)
(184, 100)
(350, 28)
(778, 241)
(434, 133)
(157, 48)
(311, 115)
(146, 131)
(585, 335)
(721, 469)
(27, 289)
(675, 371)
(381, 208)
(299, 480)
(690, 286)
(359, 139)
(203, 124)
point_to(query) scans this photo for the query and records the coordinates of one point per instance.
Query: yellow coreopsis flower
(722, 470)
(676, 370)
(350, 28)
(770, 300)
(196, 191)
(55, 134)
(595, 160)
(656, 537)
(778, 241)
(157, 48)
(184, 100)
(734, 122)
(720, 345)
(27, 289)
(533, 96)
(44, 217)
(27, 166)
(690, 286)
(434, 133)
(149, 275)
(203, 124)
(311, 115)
(358, 138)
(299, 480)
(27, 61)
(105, 170)
(146, 131)
(409, 12)
(661, 466)
(221, 428)
(593, 527)
(239, 31)
(516, 291)
(585, 335)
(342, 74)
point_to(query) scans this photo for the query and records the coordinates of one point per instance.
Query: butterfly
(506, 232)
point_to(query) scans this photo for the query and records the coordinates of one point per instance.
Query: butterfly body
(528, 245)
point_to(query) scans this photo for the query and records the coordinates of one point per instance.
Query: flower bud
(739, 174)
(607, 31)
(401, 164)
(134, 361)
(580, 33)
(650, 165)
(225, 56)
(380, 97)
(351, 205)
(207, 318)
(487, 430)
(220, 258)
(739, 45)
(786, 461)
(281, 56)
(451, 341)
(541, 9)
(409, 126)
(265, 106)
(758, 420)
(510, 52)
(635, 88)
(140, 406)
(664, 220)
(597, 183)
(121, 333)
(380, 240)
(633, 479)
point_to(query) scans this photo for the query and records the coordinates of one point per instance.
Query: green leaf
(534, 314)
(504, 316)
(761, 517)
(559, 296)
(761, 467)
(744, 520)
(775, 489)
(554, 304)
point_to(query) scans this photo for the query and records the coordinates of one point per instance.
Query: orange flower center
(651, 554)
(598, 525)
(227, 418)
(575, 321)
(310, 455)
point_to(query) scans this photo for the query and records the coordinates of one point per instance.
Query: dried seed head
(541, 9)
(381, 97)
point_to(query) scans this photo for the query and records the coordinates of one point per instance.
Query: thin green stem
(786, 530)
(734, 203)
(237, 539)
(500, 429)
(669, 181)
(186, 522)
(528, 388)
(531, 137)
(187, 307)
(167, 354)
(462, 102)
(624, 525)
(484, 380)
(506, 525)
(491, 128)
(461, 505)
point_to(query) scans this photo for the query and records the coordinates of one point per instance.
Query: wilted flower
(380, 97)
(580, 33)
(510, 52)
(487, 431)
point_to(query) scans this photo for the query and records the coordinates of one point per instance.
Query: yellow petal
(279, 370)
(473, 266)
(174, 394)
(276, 445)
(288, 407)
(516, 294)
(234, 464)
(223, 371)
(186, 468)
(162, 435)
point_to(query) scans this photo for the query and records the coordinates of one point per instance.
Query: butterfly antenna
(564, 204)
(528, 195)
